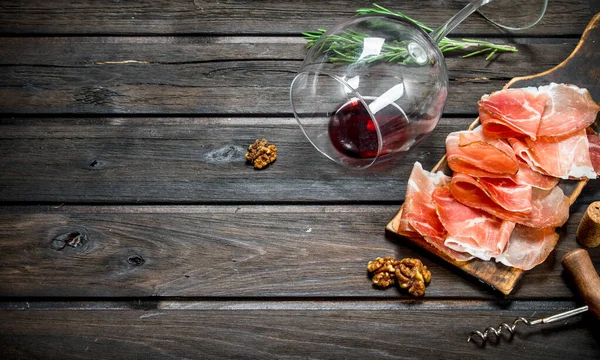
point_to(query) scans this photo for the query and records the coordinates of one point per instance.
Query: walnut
(409, 273)
(384, 279)
(260, 154)
(413, 275)
(383, 270)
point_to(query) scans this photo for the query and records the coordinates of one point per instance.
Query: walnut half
(383, 270)
(409, 273)
(260, 154)
(413, 275)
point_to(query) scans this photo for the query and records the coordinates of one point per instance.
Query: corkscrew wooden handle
(578, 263)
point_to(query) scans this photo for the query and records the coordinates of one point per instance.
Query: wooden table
(126, 123)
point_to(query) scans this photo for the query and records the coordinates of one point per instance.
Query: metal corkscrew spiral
(497, 332)
(579, 265)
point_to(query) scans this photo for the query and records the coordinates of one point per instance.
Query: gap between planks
(193, 209)
(147, 304)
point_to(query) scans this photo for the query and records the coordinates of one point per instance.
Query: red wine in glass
(353, 133)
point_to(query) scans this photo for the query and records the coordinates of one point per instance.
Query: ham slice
(476, 154)
(512, 112)
(419, 216)
(405, 229)
(504, 192)
(594, 146)
(528, 247)
(526, 176)
(418, 210)
(549, 208)
(470, 230)
(568, 110)
(563, 157)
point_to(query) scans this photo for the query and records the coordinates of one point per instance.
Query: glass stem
(443, 30)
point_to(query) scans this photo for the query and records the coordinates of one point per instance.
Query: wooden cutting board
(581, 68)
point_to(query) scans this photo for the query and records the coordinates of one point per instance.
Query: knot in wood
(73, 239)
(225, 154)
(136, 260)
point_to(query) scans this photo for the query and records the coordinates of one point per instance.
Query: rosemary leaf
(476, 53)
(347, 45)
(491, 55)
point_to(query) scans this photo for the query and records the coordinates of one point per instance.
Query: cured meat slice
(418, 210)
(549, 208)
(594, 146)
(528, 247)
(405, 229)
(504, 192)
(512, 112)
(419, 216)
(476, 154)
(526, 176)
(470, 230)
(568, 110)
(563, 157)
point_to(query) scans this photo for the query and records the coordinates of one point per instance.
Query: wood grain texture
(224, 261)
(419, 332)
(249, 17)
(227, 251)
(191, 160)
(580, 68)
(223, 75)
(184, 160)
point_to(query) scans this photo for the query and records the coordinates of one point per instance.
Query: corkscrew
(579, 265)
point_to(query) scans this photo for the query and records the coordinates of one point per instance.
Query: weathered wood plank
(191, 160)
(85, 51)
(239, 88)
(419, 332)
(228, 251)
(185, 160)
(565, 17)
(207, 76)
(525, 307)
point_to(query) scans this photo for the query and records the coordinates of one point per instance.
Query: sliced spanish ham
(503, 201)
(563, 157)
(476, 154)
(470, 230)
(405, 229)
(528, 247)
(549, 208)
(419, 214)
(568, 110)
(526, 176)
(504, 192)
(512, 112)
(594, 146)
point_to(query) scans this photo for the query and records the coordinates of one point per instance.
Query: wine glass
(374, 87)
(509, 14)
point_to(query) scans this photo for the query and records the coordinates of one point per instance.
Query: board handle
(578, 263)
(580, 68)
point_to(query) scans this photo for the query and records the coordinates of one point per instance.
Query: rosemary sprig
(344, 46)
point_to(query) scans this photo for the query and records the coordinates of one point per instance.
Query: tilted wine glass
(375, 86)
